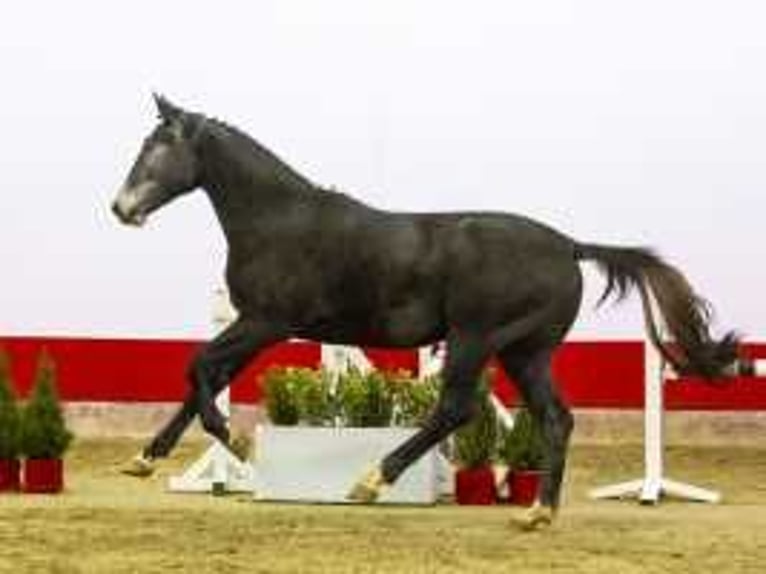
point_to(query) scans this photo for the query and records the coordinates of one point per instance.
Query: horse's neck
(248, 185)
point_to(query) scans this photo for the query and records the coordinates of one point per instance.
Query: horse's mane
(251, 155)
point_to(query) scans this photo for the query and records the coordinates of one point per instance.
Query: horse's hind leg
(210, 372)
(465, 359)
(532, 375)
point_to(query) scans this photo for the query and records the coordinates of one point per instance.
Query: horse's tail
(692, 349)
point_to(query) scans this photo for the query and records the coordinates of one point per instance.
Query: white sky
(627, 123)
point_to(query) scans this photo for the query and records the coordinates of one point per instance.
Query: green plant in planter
(44, 434)
(281, 396)
(317, 404)
(475, 442)
(522, 447)
(296, 395)
(365, 399)
(10, 415)
(414, 398)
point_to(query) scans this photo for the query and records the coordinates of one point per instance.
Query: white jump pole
(217, 470)
(339, 358)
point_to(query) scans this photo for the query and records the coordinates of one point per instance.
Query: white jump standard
(654, 484)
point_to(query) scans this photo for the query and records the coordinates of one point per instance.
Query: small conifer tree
(43, 431)
(10, 416)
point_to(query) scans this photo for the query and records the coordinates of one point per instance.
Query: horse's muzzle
(135, 218)
(133, 204)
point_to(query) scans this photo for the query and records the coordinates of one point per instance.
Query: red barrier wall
(590, 374)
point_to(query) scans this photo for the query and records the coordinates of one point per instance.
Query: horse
(313, 263)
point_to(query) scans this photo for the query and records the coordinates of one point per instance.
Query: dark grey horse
(307, 262)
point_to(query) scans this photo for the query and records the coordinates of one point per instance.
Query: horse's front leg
(211, 371)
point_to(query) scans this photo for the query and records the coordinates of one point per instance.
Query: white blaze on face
(130, 200)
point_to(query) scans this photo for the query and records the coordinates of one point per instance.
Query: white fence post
(654, 485)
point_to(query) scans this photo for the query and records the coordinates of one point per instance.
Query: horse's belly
(412, 325)
(409, 325)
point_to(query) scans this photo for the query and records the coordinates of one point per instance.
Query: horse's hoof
(368, 489)
(537, 517)
(241, 446)
(139, 466)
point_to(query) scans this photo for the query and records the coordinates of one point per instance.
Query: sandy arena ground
(106, 523)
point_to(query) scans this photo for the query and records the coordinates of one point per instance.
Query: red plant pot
(10, 475)
(475, 486)
(43, 475)
(523, 486)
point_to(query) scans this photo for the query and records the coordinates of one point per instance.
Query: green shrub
(296, 395)
(522, 447)
(373, 399)
(365, 399)
(475, 442)
(10, 416)
(43, 430)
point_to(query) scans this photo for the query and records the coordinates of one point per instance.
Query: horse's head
(167, 165)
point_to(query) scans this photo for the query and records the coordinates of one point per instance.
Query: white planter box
(322, 464)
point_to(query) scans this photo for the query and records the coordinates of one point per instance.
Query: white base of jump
(217, 471)
(649, 491)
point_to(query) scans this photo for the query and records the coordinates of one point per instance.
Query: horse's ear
(168, 111)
